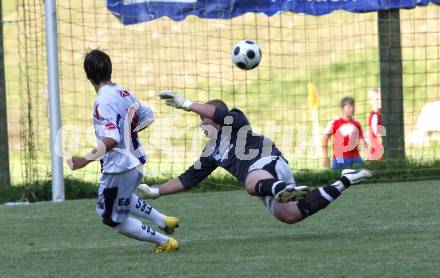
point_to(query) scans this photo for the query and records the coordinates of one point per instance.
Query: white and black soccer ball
(246, 55)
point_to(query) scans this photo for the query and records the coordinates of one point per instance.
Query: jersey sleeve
(330, 128)
(197, 172)
(145, 116)
(236, 118)
(107, 122)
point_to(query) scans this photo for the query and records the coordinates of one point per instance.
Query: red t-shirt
(346, 134)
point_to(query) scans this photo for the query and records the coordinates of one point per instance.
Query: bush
(11, 194)
(42, 191)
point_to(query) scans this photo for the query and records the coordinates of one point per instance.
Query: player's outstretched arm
(171, 187)
(204, 110)
(190, 178)
(180, 102)
(152, 192)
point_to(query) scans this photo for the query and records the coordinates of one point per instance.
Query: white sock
(134, 228)
(141, 208)
(339, 185)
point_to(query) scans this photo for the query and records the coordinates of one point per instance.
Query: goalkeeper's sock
(134, 228)
(318, 199)
(269, 187)
(141, 208)
(342, 184)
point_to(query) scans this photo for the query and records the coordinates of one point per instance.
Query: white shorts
(279, 168)
(114, 195)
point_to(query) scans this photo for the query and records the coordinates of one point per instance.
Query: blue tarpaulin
(135, 11)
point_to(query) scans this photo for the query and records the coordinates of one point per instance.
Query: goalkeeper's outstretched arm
(171, 187)
(152, 192)
(180, 102)
(190, 178)
(206, 110)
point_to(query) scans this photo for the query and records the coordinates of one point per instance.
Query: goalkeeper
(253, 159)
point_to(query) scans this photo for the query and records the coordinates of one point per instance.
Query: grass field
(373, 230)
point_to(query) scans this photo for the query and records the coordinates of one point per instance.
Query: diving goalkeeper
(251, 158)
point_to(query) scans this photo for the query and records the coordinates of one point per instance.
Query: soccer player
(347, 136)
(117, 118)
(375, 124)
(251, 158)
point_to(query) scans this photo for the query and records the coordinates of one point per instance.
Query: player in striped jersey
(117, 118)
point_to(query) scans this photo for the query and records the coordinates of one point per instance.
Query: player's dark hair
(218, 103)
(98, 66)
(347, 101)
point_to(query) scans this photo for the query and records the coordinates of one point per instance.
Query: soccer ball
(246, 55)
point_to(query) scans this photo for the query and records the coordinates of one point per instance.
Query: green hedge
(42, 191)
(386, 171)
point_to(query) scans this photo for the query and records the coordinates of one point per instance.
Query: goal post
(5, 178)
(391, 83)
(58, 194)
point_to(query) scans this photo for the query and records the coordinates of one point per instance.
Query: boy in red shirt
(347, 136)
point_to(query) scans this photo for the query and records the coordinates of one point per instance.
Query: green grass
(373, 230)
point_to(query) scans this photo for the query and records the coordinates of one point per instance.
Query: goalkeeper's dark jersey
(235, 148)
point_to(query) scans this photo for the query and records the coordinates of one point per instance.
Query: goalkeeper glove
(176, 100)
(147, 192)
